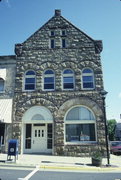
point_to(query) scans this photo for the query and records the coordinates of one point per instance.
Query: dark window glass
(49, 136)
(30, 80)
(52, 33)
(52, 43)
(29, 87)
(28, 136)
(68, 71)
(2, 133)
(49, 79)
(1, 84)
(49, 72)
(48, 86)
(63, 32)
(63, 43)
(30, 73)
(80, 132)
(87, 71)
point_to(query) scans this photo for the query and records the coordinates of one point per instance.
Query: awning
(6, 110)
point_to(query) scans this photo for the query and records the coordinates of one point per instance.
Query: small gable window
(52, 33)
(52, 43)
(87, 78)
(2, 83)
(63, 43)
(63, 32)
(49, 80)
(30, 80)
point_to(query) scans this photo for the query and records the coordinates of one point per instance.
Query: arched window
(87, 78)
(2, 83)
(30, 80)
(80, 125)
(68, 79)
(49, 80)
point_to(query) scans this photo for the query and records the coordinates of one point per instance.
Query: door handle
(33, 141)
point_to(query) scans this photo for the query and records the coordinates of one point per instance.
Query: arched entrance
(37, 130)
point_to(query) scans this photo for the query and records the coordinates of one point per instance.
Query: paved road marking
(30, 174)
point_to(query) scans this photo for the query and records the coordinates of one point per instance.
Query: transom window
(2, 83)
(80, 125)
(30, 80)
(49, 80)
(68, 79)
(87, 79)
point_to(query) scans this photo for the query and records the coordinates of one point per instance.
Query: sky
(99, 19)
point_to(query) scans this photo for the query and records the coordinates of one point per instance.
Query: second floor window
(49, 80)
(87, 79)
(68, 79)
(2, 83)
(30, 80)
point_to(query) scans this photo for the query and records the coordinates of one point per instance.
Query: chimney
(57, 12)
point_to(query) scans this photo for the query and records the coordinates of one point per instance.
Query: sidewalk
(60, 162)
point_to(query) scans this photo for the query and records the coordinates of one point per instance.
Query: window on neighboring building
(80, 125)
(2, 83)
(68, 79)
(87, 78)
(49, 80)
(52, 43)
(30, 80)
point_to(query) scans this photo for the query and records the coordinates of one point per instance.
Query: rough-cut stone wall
(81, 52)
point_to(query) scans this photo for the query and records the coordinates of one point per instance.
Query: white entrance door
(39, 139)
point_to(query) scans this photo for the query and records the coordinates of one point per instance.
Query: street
(17, 174)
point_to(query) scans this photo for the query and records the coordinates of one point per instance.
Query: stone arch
(40, 112)
(84, 101)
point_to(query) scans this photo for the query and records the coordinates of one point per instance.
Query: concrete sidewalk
(60, 162)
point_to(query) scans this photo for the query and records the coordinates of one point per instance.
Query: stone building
(57, 104)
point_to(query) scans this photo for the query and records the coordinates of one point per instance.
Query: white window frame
(48, 75)
(79, 122)
(29, 76)
(68, 75)
(86, 75)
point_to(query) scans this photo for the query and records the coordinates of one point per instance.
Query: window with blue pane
(68, 79)
(52, 43)
(80, 125)
(87, 79)
(30, 80)
(2, 82)
(49, 80)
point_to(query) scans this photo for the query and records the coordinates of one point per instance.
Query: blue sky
(100, 19)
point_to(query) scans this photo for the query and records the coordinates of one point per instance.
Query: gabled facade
(57, 104)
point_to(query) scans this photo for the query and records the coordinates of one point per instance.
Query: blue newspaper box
(13, 148)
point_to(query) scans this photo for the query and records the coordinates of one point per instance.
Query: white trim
(24, 78)
(88, 74)
(79, 122)
(68, 75)
(48, 75)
